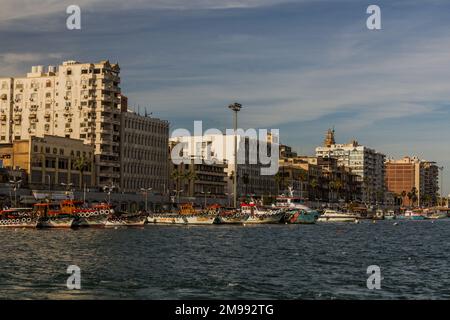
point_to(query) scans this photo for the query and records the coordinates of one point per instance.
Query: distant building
(413, 180)
(143, 153)
(220, 149)
(366, 163)
(198, 180)
(51, 162)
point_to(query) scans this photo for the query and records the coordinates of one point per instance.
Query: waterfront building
(143, 153)
(76, 100)
(413, 180)
(50, 162)
(198, 181)
(219, 149)
(365, 162)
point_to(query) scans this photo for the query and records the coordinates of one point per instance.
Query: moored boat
(295, 210)
(186, 215)
(125, 221)
(261, 215)
(18, 218)
(95, 216)
(336, 216)
(232, 216)
(50, 216)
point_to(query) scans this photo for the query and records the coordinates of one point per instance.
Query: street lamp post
(235, 107)
(205, 193)
(68, 187)
(146, 191)
(229, 198)
(16, 185)
(108, 189)
(177, 193)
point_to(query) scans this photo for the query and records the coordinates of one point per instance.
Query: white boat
(336, 216)
(175, 218)
(18, 218)
(125, 221)
(259, 215)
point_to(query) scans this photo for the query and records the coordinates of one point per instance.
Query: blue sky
(300, 66)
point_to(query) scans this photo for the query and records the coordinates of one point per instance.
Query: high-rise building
(413, 180)
(143, 153)
(76, 100)
(365, 162)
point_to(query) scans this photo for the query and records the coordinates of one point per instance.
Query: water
(323, 261)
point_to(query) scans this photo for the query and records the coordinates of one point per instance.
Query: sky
(301, 66)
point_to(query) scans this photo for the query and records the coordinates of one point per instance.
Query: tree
(190, 176)
(314, 185)
(403, 194)
(81, 165)
(176, 176)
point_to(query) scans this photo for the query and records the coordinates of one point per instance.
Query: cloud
(16, 9)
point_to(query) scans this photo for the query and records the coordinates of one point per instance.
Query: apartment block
(143, 153)
(365, 162)
(408, 173)
(75, 100)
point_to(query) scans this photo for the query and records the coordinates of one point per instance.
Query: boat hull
(94, 221)
(55, 222)
(19, 223)
(299, 217)
(182, 219)
(337, 219)
(233, 219)
(125, 222)
(263, 219)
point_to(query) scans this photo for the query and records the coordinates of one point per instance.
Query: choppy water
(323, 261)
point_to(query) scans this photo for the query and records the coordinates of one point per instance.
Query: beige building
(143, 153)
(365, 162)
(51, 161)
(75, 100)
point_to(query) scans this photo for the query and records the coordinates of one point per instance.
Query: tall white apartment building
(365, 162)
(75, 100)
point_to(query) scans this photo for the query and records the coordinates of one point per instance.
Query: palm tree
(403, 194)
(314, 185)
(81, 165)
(338, 186)
(176, 176)
(332, 186)
(190, 176)
(278, 179)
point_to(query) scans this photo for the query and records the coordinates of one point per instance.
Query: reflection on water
(323, 261)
